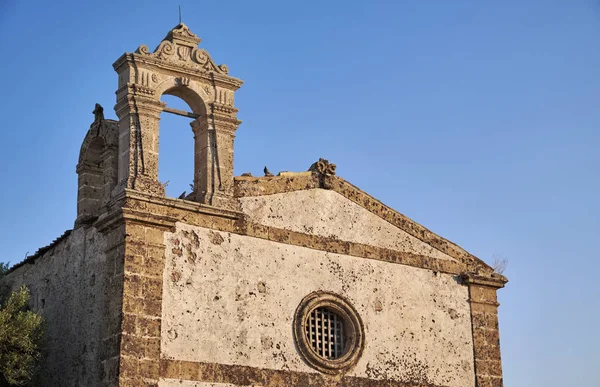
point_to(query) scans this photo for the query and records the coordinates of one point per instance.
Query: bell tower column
(213, 156)
(139, 118)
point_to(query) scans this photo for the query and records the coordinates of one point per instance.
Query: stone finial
(323, 167)
(181, 34)
(98, 113)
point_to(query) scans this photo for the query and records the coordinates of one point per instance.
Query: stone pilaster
(486, 336)
(110, 335)
(142, 304)
(139, 117)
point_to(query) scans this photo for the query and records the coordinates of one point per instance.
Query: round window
(325, 333)
(328, 332)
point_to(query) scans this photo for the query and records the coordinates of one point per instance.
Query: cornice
(186, 205)
(258, 186)
(493, 280)
(226, 81)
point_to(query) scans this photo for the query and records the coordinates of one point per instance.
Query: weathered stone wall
(70, 286)
(230, 299)
(179, 383)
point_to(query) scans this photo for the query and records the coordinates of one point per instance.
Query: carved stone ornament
(182, 81)
(98, 113)
(180, 47)
(323, 167)
(182, 32)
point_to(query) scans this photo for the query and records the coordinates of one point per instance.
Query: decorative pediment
(311, 202)
(179, 47)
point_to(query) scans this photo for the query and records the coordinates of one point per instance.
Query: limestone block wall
(230, 299)
(70, 285)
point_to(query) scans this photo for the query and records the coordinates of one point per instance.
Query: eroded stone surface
(69, 287)
(185, 383)
(326, 213)
(231, 300)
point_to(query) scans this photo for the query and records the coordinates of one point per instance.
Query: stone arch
(192, 94)
(96, 169)
(196, 98)
(180, 68)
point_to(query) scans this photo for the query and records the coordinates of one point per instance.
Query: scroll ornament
(195, 58)
(323, 167)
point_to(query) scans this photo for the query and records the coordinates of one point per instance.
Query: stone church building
(298, 279)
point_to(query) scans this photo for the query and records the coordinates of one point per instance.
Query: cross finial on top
(180, 14)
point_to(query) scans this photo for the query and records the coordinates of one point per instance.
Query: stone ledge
(242, 226)
(246, 376)
(187, 205)
(494, 280)
(269, 185)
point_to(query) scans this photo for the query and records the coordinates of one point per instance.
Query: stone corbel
(495, 280)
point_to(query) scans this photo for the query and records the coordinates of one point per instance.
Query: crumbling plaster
(230, 299)
(327, 213)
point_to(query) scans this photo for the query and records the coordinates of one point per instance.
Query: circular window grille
(325, 332)
(329, 333)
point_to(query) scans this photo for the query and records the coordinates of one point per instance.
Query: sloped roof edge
(30, 259)
(246, 186)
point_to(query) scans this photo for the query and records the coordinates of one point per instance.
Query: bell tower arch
(180, 68)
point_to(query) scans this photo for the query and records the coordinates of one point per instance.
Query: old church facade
(299, 279)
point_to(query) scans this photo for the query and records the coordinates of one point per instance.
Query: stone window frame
(353, 328)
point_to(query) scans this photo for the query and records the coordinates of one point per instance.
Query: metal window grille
(325, 331)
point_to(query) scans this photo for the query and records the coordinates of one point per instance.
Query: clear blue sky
(478, 119)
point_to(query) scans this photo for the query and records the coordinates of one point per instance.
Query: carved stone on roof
(180, 47)
(182, 33)
(98, 113)
(323, 167)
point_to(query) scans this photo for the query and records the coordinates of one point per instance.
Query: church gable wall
(328, 214)
(230, 299)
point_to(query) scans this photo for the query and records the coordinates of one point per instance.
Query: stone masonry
(210, 289)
